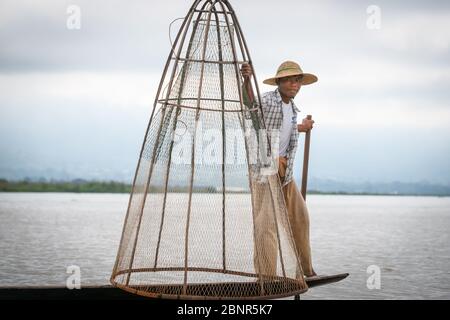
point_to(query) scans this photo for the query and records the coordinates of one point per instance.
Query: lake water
(407, 238)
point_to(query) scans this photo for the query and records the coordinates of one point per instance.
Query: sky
(75, 103)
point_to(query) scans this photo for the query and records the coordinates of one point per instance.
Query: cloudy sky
(75, 103)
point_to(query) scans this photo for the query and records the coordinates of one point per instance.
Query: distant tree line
(83, 186)
(64, 186)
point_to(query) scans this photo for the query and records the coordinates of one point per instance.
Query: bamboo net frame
(207, 224)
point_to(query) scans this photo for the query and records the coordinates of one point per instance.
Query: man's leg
(298, 219)
(266, 243)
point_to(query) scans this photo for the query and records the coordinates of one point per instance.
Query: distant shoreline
(82, 186)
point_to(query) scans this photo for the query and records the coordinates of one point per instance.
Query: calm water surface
(408, 238)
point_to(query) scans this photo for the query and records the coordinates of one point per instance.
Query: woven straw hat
(291, 68)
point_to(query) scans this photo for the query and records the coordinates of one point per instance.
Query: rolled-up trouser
(266, 243)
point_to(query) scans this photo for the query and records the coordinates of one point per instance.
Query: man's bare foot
(311, 274)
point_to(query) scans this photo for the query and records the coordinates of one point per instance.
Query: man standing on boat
(280, 113)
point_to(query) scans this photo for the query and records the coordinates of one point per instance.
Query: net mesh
(206, 216)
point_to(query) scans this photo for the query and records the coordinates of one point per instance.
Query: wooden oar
(306, 160)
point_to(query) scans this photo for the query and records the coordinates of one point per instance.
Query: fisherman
(280, 113)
